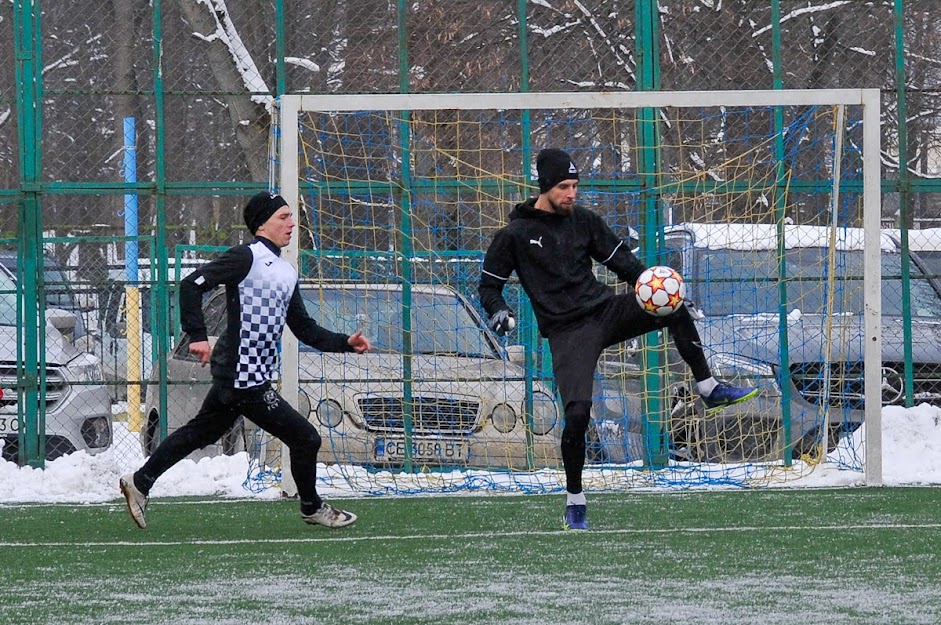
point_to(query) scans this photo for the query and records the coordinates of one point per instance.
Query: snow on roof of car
(764, 236)
(924, 240)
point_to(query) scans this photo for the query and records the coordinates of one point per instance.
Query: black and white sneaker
(328, 516)
(136, 500)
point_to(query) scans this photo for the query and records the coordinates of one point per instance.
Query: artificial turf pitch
(852, 556)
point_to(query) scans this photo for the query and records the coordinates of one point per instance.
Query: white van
(77, 411)
(59, 294)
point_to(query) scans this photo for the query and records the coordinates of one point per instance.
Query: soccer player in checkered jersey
(551, 243)
(262, 295)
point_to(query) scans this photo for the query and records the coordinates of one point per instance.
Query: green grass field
(855, 556)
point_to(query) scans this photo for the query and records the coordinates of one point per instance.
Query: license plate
(387, 449)
(9, 424)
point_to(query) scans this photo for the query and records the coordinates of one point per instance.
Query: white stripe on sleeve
(620, 243)
(494, 275)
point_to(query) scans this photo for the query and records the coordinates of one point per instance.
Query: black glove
(502, 322)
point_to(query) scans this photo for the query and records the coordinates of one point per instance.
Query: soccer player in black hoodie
(551, 243)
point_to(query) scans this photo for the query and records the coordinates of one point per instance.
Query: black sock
(310, 507)
(137, 484)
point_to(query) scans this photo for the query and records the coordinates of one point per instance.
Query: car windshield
(932, 260)
(726, 282)
(441, 324)
(58, 293)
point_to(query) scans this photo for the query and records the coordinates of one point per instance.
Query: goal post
(399, 194)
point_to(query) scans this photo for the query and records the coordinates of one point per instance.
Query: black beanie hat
(261, 207)
(553, 166)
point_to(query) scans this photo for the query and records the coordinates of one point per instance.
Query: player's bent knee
(312, 441)
(577, 415)
(308, 442)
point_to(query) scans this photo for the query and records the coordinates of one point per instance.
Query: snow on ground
(911, 441)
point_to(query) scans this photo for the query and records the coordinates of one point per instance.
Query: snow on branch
(244, 64)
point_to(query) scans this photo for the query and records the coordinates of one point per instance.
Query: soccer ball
(660, 290)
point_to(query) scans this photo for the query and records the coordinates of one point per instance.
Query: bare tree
(229, 61)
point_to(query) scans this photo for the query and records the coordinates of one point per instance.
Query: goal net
(767, 202)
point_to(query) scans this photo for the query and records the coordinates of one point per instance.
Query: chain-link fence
(131, 133)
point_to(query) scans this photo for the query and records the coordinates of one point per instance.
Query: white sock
(572, 499)
(706, 387)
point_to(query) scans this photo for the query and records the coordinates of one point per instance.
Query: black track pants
(575, 352)
(223, 405)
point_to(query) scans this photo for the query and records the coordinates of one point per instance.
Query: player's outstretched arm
(310, 332)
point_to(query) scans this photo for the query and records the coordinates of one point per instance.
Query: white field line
(476, 535)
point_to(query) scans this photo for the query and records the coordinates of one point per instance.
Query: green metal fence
(198, 78)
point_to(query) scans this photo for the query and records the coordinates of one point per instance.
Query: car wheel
(149, 441)
(809, 444)
(685, 426)
(595, 448)
(10, 451)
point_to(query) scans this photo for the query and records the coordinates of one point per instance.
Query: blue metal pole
(131, 230)
(135, 343)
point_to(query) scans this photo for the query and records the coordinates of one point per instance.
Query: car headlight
(734, 366)
(545, 413)
(96, 432)
(85, 368)
(329, 413)
(303, 403)
(504, 418)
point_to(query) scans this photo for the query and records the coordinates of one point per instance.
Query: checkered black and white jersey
(263, 301)
(262, 297)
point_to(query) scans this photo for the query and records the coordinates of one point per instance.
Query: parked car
(78, 406)
(731, 277)
(58, 290)
(467, 396)
(115, 342)
(926, 244)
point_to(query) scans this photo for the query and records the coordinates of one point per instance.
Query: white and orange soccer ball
(660, 290)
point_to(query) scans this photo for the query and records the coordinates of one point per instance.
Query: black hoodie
(552, 256)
